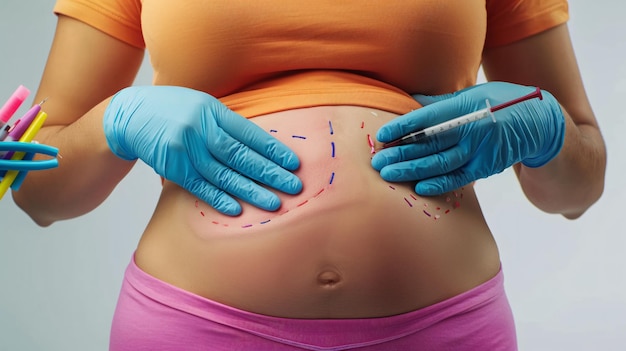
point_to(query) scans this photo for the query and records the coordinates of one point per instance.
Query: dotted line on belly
(333, 152)
(453, 199)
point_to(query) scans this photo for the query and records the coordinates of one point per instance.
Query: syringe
(459, 121)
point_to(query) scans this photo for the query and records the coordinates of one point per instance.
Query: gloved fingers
(426, 167)
(229, 180)
(424, 117)
(393, 155)
(194, 174)
(248, 162)
(256, 138)
(444, 183)
(431, 145)
(400, 126)
(212, 195)
(464, 166)
(268, 173)
(233, 183)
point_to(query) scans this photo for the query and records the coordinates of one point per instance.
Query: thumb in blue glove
(193, 140)
(531, 132)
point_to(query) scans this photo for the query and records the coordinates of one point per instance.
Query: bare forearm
(86, 175)
(572, 181)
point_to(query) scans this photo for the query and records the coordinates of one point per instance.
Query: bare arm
(574, 180)
(85, 67)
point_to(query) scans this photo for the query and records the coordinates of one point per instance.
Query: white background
(565, 279)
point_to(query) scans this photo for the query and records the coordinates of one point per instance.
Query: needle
(459, 121)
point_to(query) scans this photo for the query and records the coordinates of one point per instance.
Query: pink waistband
(299, 332)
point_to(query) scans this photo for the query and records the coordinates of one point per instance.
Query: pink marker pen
(9, 108)
(20, 126)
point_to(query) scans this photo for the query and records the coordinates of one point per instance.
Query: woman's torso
(229, 48)
(350, 245)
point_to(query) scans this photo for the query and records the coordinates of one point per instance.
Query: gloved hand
(530, 132)
(193, 140)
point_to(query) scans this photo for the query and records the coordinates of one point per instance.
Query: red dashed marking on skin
(408, 202)
(332, 178)
(371, 144)
(435, 216)
(435, 212)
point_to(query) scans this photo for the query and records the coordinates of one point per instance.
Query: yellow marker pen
(27, 137)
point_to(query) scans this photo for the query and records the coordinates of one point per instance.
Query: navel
(329, 278)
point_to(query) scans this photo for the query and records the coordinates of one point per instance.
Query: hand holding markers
(531, 132)
(16, 143)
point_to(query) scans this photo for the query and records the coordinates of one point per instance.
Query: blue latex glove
(193, 140)
(530, 132)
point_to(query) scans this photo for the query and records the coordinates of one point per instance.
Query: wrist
(113, 127)
(554, 133)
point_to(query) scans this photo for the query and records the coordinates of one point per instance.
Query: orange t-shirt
(260, 57)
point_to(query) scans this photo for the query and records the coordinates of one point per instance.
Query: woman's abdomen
(350, 245)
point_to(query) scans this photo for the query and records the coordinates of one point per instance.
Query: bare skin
(574, 180)
(355, 250)
(350, 245)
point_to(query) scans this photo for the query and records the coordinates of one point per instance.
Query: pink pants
(153, 315)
